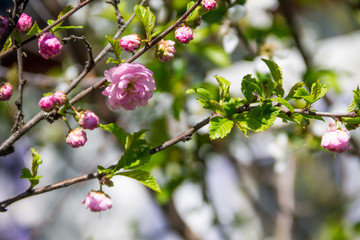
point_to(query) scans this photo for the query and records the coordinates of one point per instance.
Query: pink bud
(184, 34)
(47, 103)
(208, 4)
(49, 46)
(165, 50)
(6, 91)
(76, 138)
(97, 201)
(336, 140)
(3, 25)
(88, 120)
(130, 42)
(24, 23)
(59, 98)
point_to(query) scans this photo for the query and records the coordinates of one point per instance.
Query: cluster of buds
(5, 91)
(87, 120)
(336, 139)
(50, 102)
(49, 46)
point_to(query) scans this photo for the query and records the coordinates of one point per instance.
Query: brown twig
(19, 119)
(90, 62)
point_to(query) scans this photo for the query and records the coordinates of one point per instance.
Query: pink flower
(5, 91)
(76, 138)
(184, 34)
(59, 98)
(49, 46)
(97, 201)
(130, 86)
(24, 23)
(130, 42)
(208, 4)
(336, 140)
(165, 50)
(3, 25)
(88, 120)
(47, 103)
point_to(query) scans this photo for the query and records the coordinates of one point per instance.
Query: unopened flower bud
(47, 103)
(49, 46)
(3, 25)
(184, 34)
(5, 91)
(59, 98)
(336, 140)
(208, 4)
(24, 23)
(88, 120)
(165, 50)
(130, 42)
(97, 201)
(76, 138)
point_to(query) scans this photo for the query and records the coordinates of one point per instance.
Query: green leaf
(119, 133)
(351, 123)
(202, 92)
(355, 102)
(259, 118)
(283, 102)
(115, 44)
(250, 86)
(294, 89)
(32, 176)
(318, 90)
(7, 44)
(143, 177)
(37, 160)
(231, 106)
(65, 10)
(277, 75)
(219, 127)
(112, 60)
(224, 87)
(212, 105)
(146, 17)
(34, 30)
(194, 16)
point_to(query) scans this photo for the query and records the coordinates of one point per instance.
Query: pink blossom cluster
(208, 4)
(49, 46)
(131, 85)
(184, 34)
(165, 50)
(24, 23)
(97, 201)
(49, 102)
(3, 25)
(5, 91)
(130, 42)
(335, 139)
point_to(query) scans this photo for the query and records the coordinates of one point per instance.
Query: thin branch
(119, 18)
(90, 62)
(19, 119)
(46, 29)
